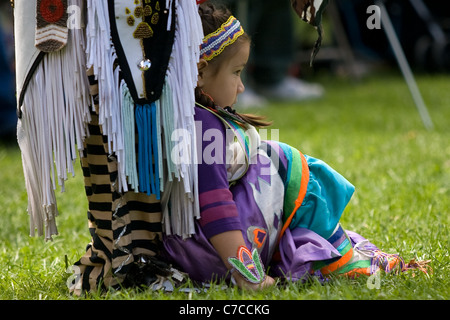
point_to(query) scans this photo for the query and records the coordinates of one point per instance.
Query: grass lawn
(369, 131)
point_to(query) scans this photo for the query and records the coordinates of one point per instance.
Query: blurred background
(422, 27)
(279, 66)
(282, 44)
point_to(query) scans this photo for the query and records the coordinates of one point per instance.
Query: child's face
(224, 83)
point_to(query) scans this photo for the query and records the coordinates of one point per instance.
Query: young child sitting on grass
(267, 210)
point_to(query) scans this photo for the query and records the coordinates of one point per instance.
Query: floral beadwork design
(249, 265)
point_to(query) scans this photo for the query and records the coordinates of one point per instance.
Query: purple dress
(252, 200)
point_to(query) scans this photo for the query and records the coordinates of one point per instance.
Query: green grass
(369, 131)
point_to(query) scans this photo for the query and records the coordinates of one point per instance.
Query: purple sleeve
(217, 208)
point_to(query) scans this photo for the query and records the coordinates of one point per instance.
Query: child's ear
(201, 65)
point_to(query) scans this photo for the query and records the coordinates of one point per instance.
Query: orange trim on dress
(337, 264)
(301, 194)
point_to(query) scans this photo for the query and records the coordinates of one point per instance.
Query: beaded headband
(215, 42)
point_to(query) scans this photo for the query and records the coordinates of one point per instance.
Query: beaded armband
(249, 265)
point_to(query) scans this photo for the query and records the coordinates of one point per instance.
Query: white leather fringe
(53, 124)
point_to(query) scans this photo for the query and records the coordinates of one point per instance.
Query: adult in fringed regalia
(110, 80)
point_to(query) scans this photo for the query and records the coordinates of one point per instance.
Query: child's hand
(244, 284)
(226, 244)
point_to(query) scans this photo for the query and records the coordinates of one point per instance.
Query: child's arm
(216, 200)
(226, 245)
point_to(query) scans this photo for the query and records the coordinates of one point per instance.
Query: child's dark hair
(212, 18)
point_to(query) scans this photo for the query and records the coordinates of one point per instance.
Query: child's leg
(343, 245)
(326, 193)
